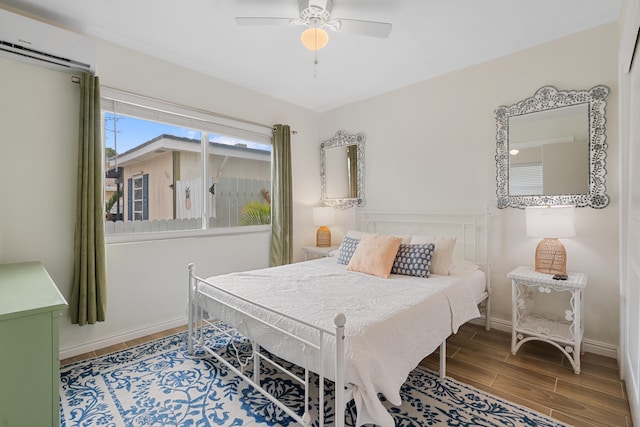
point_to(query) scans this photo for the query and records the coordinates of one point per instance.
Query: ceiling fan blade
(263, 21)
(365, 28)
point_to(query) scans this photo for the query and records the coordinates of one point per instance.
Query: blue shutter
(145, 196)
(130, 198)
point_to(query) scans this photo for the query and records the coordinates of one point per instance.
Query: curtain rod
(76, 79)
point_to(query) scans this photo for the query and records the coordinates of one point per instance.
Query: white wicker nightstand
(564, 332)
(311, 252)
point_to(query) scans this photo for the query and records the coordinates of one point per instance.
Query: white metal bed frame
(472, 232)
(368, 221)
(197, 321)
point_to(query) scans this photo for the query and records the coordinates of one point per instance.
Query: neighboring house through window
(169, 168)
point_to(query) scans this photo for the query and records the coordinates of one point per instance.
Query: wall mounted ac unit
(28, 40)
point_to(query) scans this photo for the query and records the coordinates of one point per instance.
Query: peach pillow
(375, 255)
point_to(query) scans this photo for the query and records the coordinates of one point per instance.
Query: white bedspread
(392, 324)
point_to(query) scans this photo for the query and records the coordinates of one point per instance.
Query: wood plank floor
(538, 377)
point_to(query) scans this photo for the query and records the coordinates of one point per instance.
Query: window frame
(146, 108)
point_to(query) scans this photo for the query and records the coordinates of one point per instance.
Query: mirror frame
(549, 98)
(343, 139)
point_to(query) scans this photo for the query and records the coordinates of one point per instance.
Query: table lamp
(551, 223)
(322, 217)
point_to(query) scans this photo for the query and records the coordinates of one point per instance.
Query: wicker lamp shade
(322, 217)
(551, 222)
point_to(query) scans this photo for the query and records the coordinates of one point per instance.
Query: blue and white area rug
(158, 384)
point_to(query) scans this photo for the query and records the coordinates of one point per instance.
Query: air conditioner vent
(42, 56)
(35, 42)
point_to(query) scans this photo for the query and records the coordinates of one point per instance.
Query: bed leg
(487, 266)
(340, 404)
(192, 286)
(487, 313)
(256, 363)
(443, 359)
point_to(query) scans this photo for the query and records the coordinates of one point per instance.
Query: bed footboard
(197, 322)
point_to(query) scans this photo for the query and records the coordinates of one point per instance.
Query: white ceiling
(429, 38)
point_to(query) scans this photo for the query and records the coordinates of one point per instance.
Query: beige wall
(38, 140)
(153, 274)
(150, 274)
(431, 146)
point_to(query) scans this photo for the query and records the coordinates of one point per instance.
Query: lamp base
(551, 257)
(323, 237)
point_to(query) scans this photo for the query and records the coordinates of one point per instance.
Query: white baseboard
(603, 349)
(589, 346)
(66, 353)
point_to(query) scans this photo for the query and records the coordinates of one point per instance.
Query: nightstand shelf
(312, 252)
(564, 331)
(547, 328)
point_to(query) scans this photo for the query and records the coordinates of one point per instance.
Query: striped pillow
(346, 250)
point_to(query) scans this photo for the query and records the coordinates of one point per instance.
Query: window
(169, 168)
(525, 180)
(139, 198)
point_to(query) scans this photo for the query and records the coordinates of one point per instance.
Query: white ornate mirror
(342, 170)
(551, 149)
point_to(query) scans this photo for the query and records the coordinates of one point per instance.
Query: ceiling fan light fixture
(314, 38)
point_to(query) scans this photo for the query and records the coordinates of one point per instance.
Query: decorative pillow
(346, 250)
(355, 234)
(375, 255)
(413, 260)
(443, 254)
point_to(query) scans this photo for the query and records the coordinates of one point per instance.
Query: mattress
(392, 324)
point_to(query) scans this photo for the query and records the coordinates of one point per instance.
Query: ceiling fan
(316, 15)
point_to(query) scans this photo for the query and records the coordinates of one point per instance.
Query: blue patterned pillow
(347, 248)
(413, 260)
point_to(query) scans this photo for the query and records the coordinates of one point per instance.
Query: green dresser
(30, 306)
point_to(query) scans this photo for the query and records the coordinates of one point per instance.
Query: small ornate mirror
(342, 170)
(551, 149)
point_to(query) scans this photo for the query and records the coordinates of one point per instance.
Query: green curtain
(88, 293)
(353, 170)
(281, 199)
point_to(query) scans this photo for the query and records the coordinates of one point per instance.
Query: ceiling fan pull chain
(315, 64)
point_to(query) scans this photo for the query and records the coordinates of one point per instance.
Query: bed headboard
(472, 230)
